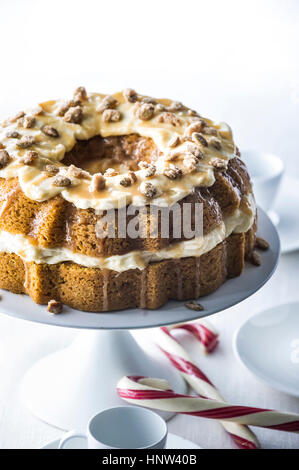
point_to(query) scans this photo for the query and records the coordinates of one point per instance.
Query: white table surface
(22, 343)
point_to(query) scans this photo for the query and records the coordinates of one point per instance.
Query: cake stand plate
(230, 293)
(67, 387)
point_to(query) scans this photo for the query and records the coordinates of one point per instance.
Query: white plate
(268, 345)
(286, 207)
(173, 442)
(230, 293)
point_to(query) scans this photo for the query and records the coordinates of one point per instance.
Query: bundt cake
(74, 174)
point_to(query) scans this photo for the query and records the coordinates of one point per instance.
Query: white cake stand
(68, 386)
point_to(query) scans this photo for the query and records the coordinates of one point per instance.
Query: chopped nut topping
(199, 138)
(111, 115)
(26, 141)
(55, 307)
(216, 143)
(150, 171)
(190, 163)
(63, 181)
(256, 258)
(238, 153)
(130, 95)
(169, 118)
(160, 107)
(98, 183)
(76, 172)
(74, 115)
(148, 99)
(109, 102)
(27, 121)
(51, 170)
(193, 113)
(210, 131)
(13, 134)
(128, 180)
(143, 165)
(125, 181)
(145, 111)
(218, 163)
(133, 176)
(80, 94)
(196, 126)
(37, 111)
(195, 151)
(174, 141)
(262, 244)
(29, 157)
(4, 158)
(173, 156)
(148, 189)
(111, 172)
(173, 172)
(50, 131)
(17, 116)
(64, 108)
(194, 306)
(175, 106)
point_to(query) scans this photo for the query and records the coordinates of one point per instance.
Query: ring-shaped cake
(67, 166)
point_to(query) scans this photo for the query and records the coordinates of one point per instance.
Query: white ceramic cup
(123, 427)
(266, 170)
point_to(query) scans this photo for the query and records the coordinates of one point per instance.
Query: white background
(232, 60)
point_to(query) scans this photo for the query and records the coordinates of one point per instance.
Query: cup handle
(69, 436)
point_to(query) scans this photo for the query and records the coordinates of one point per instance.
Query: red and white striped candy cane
(154, 393)
(203, 331)
(242, 436)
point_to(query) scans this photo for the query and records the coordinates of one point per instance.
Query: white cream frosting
(239, 222)
(39, 186)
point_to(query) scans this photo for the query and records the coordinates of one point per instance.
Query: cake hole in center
(123, 153)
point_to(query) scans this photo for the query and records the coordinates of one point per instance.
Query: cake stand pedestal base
(67, 387)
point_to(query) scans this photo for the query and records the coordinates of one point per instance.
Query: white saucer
(173, 442)
(268, 345)
(286, 209)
